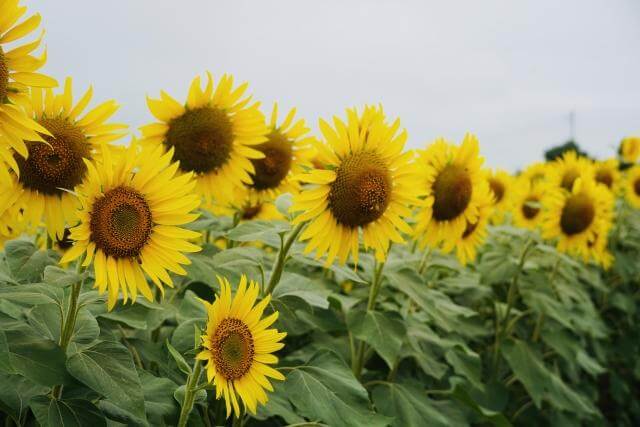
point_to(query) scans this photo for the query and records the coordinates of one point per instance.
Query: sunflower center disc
(121, 222)
(202, 139)
(569, 178)
(274, 167)
(452, 193)
(250, 212)
(58, 164)
(529, 210)
(4, 77)
(604, 177)
(577, 215)
(232, 348)
(636, 186)
(497, 188)
(362, 190)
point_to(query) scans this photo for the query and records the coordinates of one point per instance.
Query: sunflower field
(224, 265)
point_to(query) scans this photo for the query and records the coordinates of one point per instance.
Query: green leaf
(15, 393)
(283, 204)
(32, 294)
(469, 399)
(233, 263)
(182, 364)
(278, 406)
(540, 382)
(340, 270)
(409, 405)
(134, 316)
(183, 337)
(325, 389)
(45, 319)
(107, 367)
(259, 231)
(158, 397)
(296, 286)
(60, 277)
(384, 331)
(467, 363)
(67, 413)
(26, 262)
(178, 395)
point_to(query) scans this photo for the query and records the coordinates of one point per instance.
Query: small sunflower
(130, 221)
(598, 251)
(51, 170)
(215, 135)
(239, 347)
(607, 173)
(502, 186)
(368, 185)
(632, 186)
(287, 152)
(474, 233)
(18, 73)
(527, 203)
(565, 170)
(630, 149)
(456, 189)
(535, 172)
(577, 218)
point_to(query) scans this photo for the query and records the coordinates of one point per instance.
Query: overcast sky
(510, 71)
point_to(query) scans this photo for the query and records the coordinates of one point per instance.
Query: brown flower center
(636, 186)
(452, 191)
(202, 139)
(530, 208)
(497, 187)
(250, 212)
(569, 178)
(66, 242)
(232, 348)
(605, 177)
(121, 222)
(58, 164)
(274, 167)
(577, 215)
(362, 190)
(4, 77)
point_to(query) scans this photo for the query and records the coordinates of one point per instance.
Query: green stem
(423, 261)
(374, 289)
(285, 246)
(190, 393)
(236, 220)
(69, 322)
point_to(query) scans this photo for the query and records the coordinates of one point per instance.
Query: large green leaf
(107, 367)
(279, 406)
(32, 294)
(68, 413)
(158, 397)
(384, 331)
(296, 286)
(46, 320)
(259, 231)
(56, 276)
(409, 406)
(324, 389)
(541, 383)
(15, 393)
(26, 262)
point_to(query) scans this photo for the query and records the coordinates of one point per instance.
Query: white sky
(510, 71)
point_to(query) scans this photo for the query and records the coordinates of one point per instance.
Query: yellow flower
(214, 135)
(287, 152)
(564, 171)
(632, 186)
(130, 223)
(53, 169)
(456, 190)
(577, 218)
(608, 174)
(18, 73)
(630, 149)
(367, 186)
(536, 172)
(527, 203)
(502, 186)
(239, 346)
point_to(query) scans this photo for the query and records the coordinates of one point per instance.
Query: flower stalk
(281, 259)
(190, 393)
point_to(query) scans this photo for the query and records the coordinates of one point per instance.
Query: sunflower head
(238, 346)
(527, 202)
(630, 149)
(365, 185)
(607, 173)
(536, 172)
(632, 186)
(212, 135)
(568, 168)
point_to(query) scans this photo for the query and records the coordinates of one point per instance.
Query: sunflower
(368, 185)
(565, 170)
(527, 203)
(55, 168)
(501, 186)
(474, 233)
(238, 347)
(538, 171)
(287, 152)
(577, 218)
(598, 251)
(456, 189)
(632, 186)
(607, 173)
(10, 228)
(132, 210)
(630, 149)
(214, 135)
